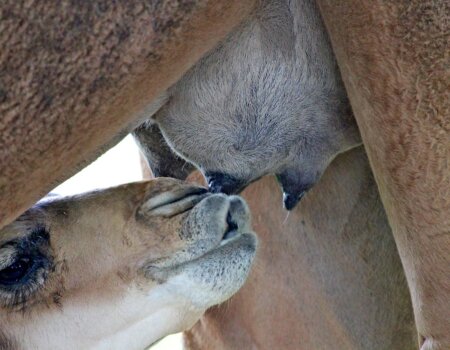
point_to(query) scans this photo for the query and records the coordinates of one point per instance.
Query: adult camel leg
(75, 75)
(393, 56)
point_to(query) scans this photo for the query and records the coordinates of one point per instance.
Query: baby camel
(120, 268)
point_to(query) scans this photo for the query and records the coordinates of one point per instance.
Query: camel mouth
(219, 222)
(214, 276)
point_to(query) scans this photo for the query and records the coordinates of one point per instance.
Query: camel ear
(160, 158)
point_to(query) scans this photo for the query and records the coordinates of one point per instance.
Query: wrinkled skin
(268, 100)
(120, 268)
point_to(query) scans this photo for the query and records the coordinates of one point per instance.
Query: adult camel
(326, 276)
(361, 33)
(396, 72)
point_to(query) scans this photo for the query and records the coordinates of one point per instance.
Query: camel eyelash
(28, 270)
(20, 297)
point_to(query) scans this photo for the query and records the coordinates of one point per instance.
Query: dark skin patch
(3, 96)
(125, 274)
(60, 270)
(56, 298)
(160, 158)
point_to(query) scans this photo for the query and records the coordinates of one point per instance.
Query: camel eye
(16, 272)
(26, 263)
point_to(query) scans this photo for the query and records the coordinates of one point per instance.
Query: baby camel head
(121, 267)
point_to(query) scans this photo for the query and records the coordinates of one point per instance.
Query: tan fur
(394, 60)
(74, 75)
(342, 285)
(122, 267)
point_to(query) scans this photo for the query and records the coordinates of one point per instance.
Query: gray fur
(268, 100)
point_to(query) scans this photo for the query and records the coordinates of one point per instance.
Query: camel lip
(230, 237)
(238, 237)
(161, 272)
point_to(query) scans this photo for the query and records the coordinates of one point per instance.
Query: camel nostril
(232, 228)
(174, 202)
(232, 225)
